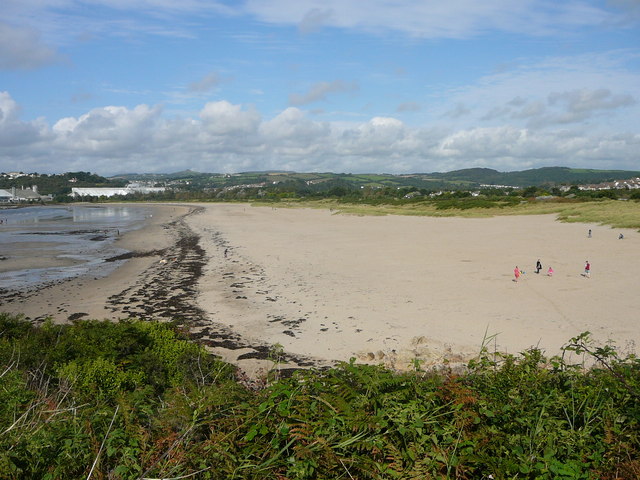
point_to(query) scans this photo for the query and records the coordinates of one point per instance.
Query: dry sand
(389, 289)
(328, 287)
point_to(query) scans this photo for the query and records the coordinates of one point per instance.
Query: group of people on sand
(587, 266)
(517, 272)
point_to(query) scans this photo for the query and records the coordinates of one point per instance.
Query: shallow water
(42, 244)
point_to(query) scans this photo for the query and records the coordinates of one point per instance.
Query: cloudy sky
(380, 86)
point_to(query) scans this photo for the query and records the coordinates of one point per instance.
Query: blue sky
(378, 86)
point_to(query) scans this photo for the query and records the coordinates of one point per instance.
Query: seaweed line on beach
(167, 291)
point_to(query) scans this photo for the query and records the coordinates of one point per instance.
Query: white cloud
(418, 18)
(314, 19)
(292, 133)
(16, 135)
(584, 102)
(31, 31)
(580, 109)
(206, 83)
(108, 131)
(630, 10)
(45, 26)
(436, 19)
(226, 137)
(22, 49)
(575, 106)
(320, 90)
(408, 107)
(550, 93)
(223, 118)
(459, 111)
(512, 148)
(9, 109)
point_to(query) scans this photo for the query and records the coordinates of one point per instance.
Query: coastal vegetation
(615, 213)
(473, 192)
(325, 181)
(139, 400)
(461, 194)
(278, 185)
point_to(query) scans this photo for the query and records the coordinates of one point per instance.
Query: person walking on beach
(587, 269)
(538, 266)
(589, 235)
(516, 272)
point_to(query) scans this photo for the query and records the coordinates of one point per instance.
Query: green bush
(447, 203)
(138, 400)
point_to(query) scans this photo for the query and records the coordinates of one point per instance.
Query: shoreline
(313, 287)
(158, 281)
(89, 292)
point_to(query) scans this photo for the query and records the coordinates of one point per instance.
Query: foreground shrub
(138, 400)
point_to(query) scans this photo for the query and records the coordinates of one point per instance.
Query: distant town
(19, 187)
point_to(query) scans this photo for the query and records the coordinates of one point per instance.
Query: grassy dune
(616, 213)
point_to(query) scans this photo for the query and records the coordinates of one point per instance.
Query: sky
(344, 86)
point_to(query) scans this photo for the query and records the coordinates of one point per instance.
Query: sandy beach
(383, 289)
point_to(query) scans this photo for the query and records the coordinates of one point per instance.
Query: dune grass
(616, 213)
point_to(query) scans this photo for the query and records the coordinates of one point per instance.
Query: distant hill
(457, 179)
(537, 176)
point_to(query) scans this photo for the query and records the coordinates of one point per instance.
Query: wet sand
(24, 257)
(328, 287)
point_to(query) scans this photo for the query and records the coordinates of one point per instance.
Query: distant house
(630, 184)
(14, 175)
(27, 195)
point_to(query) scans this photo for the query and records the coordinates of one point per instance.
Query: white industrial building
(110, 192)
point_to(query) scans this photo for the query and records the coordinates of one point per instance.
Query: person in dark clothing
(538, 266)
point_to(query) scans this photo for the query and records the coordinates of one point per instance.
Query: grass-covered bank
(616, 213)
(136, 400)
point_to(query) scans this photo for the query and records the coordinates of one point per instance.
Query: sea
(66, 241)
